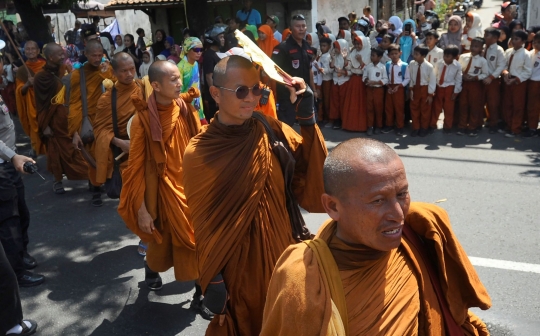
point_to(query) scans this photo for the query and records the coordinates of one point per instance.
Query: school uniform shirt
(354, 66)
(325, 65)
(494, 55)
(399, 77)
(479, 66)
(521, 63)
(375, 73)
(385, 58)
(317, 76)
(452, 75)
(535, 65)
(427, 75)
(434, 55)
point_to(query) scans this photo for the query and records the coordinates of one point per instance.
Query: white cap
(234, 52)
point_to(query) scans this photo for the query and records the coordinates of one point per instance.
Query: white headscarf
(396, 21)
(143, 69)
(339, 60)
(365, 53)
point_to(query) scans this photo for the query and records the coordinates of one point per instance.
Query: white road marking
(506, 265)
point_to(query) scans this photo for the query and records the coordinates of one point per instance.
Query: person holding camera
(14, 214)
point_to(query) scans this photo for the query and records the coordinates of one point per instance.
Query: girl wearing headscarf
(118, 43)
(267, 42)
(341, 80)
(395, 26)
(189, 71)
(345, 35)
(159, 42)
(313, 40)
(175, 54)
(148, 59)
(354, 114)
(453, 36)
(473, 28)
(504, 38)
(407, 40)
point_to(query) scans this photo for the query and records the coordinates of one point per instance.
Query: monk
(95, 72)
(24, 95)
(126, 86)
(52, 118)
(152, 203)
(380, 266)
(237, 193)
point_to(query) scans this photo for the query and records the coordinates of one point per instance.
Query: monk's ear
(156, 86)
(330, 204)
(215, 93)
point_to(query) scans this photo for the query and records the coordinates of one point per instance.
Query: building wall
(533, 13)
(331, 10)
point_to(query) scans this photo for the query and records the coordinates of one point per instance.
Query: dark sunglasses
(197, 50)
(299, 17)
(243, 91)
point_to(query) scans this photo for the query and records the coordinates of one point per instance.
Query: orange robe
(62, 158)
(154, 174)
(236, 194)
(26, 105)
(94, 90)
(386, 293)
(103, 126)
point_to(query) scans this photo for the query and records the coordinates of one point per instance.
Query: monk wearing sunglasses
(243, 193)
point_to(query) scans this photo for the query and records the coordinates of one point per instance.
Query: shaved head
(50, 49)
(223, 68)
(93, 45)
(31, 43)
(119, 58)
(159, 70)
(351, 158)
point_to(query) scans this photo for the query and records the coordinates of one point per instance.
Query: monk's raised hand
(298, 86)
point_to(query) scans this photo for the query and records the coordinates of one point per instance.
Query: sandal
(152, 279)
(96, 200)
(141, 250)
(26, 330)
(58, 188)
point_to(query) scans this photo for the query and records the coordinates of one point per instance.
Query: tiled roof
(141, 2)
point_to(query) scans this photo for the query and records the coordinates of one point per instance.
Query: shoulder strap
(271, 134)
(82, 82)
(114, 114)
(452, 328)
(330, 273)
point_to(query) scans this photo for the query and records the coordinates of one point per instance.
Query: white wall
(533, 13)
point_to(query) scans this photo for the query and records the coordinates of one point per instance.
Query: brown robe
(236, 194)
(62, 158)
(94, 90)
(103, 126)
(154, 174)
(386, 293)
(26, 107)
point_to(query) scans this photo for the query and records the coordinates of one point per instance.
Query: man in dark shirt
(230, 39)
(293, 56)
(215, 38)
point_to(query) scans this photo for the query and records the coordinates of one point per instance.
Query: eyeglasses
(197, 50)
(299, 17)
(243, 91)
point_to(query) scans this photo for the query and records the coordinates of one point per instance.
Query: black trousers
(14, 217)
(10, 301)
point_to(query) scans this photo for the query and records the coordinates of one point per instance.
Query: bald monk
(152, 202)
(52, 118)
(236, 193)
(126, 87)
(365, 274)
(95, 72)
(24, 95)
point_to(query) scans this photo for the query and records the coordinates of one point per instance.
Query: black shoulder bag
(87, 130)
(287, 162)
(113, 186)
